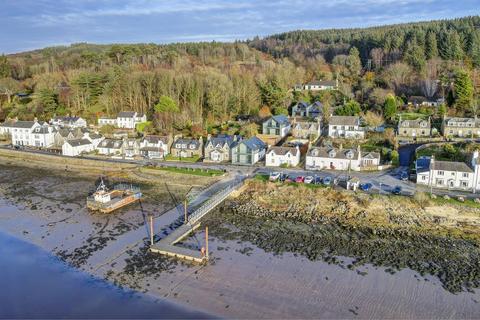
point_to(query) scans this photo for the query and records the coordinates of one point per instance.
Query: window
(424, 178)
(440, 173)
(464, 184)
(465, 175)
(439, 181)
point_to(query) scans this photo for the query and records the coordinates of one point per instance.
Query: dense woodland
(194, 86)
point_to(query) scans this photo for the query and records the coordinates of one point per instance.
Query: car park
(308, 179)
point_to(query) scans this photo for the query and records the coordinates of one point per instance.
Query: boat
(106, 201)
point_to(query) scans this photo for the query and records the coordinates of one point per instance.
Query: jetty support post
(206, 242)
(151, 229)
(185, 219)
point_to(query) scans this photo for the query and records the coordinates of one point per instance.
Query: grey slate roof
(78, 142)
(22, 124)
(42, 130)
(155, 139)
(455, 122)
(331, 83)
(344, 121)
(281, 151)
(222, 140)
(111, 144)
(414, 123)
(451, 166)
(188, 142)
(126, 114)
(282, 119)
(254, 143)
(335, 153)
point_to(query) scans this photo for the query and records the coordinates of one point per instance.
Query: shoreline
(242, 280)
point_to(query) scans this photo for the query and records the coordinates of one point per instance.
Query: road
(383, 181)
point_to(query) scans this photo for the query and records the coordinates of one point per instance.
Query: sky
(33, 24)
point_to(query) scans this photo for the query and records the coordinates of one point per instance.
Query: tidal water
(35, 284)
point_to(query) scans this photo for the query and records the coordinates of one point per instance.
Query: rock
(476, 200)
(461, 199)
(446, 197)
(433, 196)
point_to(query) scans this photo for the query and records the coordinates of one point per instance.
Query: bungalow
(461, 127)
(319, 158)
(75, 147)
(219, 148)
(303, 109)
(414, 128)
(447, 174)
(321, 85)
(110, 147)
(277, 126)
(68, 122)
(155, 147)
(345, 127)
(248, 152)
(187, 148)
(279, 156)
(306, 129)
(421, 101)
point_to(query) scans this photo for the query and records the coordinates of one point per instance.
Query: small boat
(106, 201)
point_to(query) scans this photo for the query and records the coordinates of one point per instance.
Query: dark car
(327, 181)
(283, 177)
(318, 180)
(366, 186)
(404, 176)
(397, 190)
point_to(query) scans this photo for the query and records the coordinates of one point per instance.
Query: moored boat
(106, 201)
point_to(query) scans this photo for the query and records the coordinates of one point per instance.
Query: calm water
(34, 284)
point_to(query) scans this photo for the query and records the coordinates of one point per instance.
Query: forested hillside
(197, 85)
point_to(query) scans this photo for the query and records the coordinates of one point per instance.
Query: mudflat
(263, 265)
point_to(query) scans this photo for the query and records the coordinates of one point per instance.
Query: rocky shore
(324, 224)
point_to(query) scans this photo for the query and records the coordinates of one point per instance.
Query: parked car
(404, 176)
(327, 181)
(366, 186)
(299, 179)
(274, 176)
(308, 179)
(289, 179)
(397, 190)
(318, 180)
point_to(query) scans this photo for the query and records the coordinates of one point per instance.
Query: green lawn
(195, 172)
(185, 159)
(411, 115)
(440, 154)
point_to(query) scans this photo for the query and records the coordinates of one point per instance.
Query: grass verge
(195, 172)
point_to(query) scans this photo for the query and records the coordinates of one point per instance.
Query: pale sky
(32, 24)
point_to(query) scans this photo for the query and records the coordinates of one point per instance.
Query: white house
(75, 147)
(449, 174)
(68, 122)
(130, 148)
(103, 121)
(130, 119)
(319, 158)
(321, 85)
(19, 131)
(278, 156)
(345, 127)
(276, 125)
(110, 147)
(154, 147)
(42, 136)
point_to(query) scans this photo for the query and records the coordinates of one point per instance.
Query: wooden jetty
(166, 246)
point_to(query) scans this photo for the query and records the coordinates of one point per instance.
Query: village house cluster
(306, 138)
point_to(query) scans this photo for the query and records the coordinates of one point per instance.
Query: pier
(191, 221)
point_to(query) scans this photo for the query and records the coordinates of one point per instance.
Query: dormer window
(349, 155)
(315, 152)
(331, 154)
(192, 146)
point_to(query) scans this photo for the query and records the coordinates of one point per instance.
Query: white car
(274, 176)
(308, 179)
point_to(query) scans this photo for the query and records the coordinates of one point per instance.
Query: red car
(299, 179)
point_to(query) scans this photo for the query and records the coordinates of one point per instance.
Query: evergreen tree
(415, 56)
(353, 63)
(475, 48)
(463, 90)
(452, 46)
(431, 47)
(390, 107)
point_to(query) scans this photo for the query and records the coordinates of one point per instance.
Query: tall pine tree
(463, 90)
